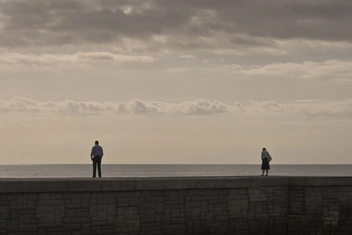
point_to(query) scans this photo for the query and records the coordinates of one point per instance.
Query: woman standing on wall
(266, 158)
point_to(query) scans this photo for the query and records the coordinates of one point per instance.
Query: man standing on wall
(96, 155)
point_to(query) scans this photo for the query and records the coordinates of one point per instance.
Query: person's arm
(91, 153)
(102, 152)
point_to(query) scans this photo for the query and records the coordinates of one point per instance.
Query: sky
(176, 81)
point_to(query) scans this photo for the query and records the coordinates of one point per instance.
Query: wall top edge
(10, 185)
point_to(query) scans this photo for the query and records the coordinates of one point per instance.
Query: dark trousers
(96, 163)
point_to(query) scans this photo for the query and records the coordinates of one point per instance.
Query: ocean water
(155, 170)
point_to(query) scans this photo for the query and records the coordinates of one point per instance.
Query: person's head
(264, 149)
(96, 142)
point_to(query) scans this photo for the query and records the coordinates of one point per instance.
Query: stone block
(27, 228)
(45, 210)
(118, 185)
(70, 213)
(84, 186)
(4, 209)
(2, 223)
(48, 186)
(159, 207)
(71, 227)
(210, 183)
(107, 201)
(14, 186)
(239, 182)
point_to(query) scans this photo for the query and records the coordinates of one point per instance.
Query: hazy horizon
(175, 81)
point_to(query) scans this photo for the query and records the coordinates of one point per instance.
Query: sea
(170, 170)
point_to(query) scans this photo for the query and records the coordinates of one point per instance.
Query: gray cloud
(331, 70)
(184, 24)
(18, 59)
(135, 107)
(198, 107)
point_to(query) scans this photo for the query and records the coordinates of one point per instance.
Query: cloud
(183, 24)
(334, 71)
(310, 108)
(187, 56)
(136, 107)
(187, 108)
(202, 107)
(330, 69)
(16, 59)
(269, 51)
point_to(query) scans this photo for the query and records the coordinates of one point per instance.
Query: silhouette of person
(96, 155)
(266, 158)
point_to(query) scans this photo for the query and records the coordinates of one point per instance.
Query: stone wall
(215, 205)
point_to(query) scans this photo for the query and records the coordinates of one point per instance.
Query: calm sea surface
(45, 171)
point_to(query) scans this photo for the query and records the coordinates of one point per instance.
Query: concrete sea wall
(193, 205)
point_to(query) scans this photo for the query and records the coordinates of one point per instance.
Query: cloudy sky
(176, 81)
